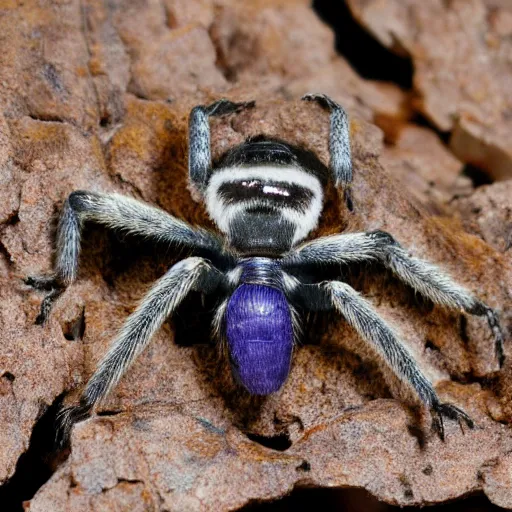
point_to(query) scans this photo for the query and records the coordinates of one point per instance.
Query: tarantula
(265, 196)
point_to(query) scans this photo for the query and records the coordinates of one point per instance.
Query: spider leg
(119, 213)
(431, 282)
(339, 143)
(160, 302)
(426, 278)
(360, 314)
(199, 155)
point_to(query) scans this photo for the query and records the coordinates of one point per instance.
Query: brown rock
(420, 161)
(205, 461)
(498, 482)
(462, 71)
(160, 67)
(263, 37)
(44, 64)
(488, 213)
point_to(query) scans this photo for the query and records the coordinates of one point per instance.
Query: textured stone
(461, 56)
(498, 482)
(263, 37)
(183, 395)
(488, 213)
(418, 159)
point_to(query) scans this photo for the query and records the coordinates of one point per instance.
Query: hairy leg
(116, 212)
(199, 153)
(161, 301)
(361, 315)
(426, 278)
(339, 143)
(434, 284)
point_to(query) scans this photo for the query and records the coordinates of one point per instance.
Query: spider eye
(280, 194)
(268, 189)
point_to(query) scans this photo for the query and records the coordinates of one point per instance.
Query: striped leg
(199, 152)
(119, 213)
(339, 143)
(426, 278)
(360, 314)
(161, 301)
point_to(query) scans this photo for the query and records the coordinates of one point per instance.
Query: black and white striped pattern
(289, 191)
(276, 193)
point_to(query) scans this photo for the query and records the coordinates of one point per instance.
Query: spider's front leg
(199, 151)
(116, 212)
(339, 143)
(161, 301)
(360, 314)
(427, 279)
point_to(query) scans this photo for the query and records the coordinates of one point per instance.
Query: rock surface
(419, 159)
(95, 96)
(462, 69)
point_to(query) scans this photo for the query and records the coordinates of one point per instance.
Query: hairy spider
(265, 196)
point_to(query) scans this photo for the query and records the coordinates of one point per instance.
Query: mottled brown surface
(418, 159)
(488, 213)
(461, 51)
(95, 96)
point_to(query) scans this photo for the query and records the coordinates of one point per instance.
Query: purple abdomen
(260, 337)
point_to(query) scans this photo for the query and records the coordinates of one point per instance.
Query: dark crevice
(108, 412)
(37, 464)
(129, 481)
(477, 175)
(305, 499)
(304, 466)
(421, 120)
(364, 53)
(8, 376)
(416, 431)
(46, 118)
(463, 329)
(105, 121)
(280, 442)
(12, 219)
(75, 329)
(429, 344)
(6, 254)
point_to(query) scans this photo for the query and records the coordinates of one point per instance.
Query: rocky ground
(95, 95)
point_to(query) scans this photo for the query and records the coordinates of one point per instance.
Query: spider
(265, 196)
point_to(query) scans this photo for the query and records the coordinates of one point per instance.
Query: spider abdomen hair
(260, 337)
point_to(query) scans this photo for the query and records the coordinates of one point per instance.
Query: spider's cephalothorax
(265, 196)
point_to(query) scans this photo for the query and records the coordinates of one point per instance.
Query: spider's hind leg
(360, 314)
(433, 283)
(439, 410)
(162, 300)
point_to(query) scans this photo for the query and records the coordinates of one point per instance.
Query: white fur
(222, 214)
